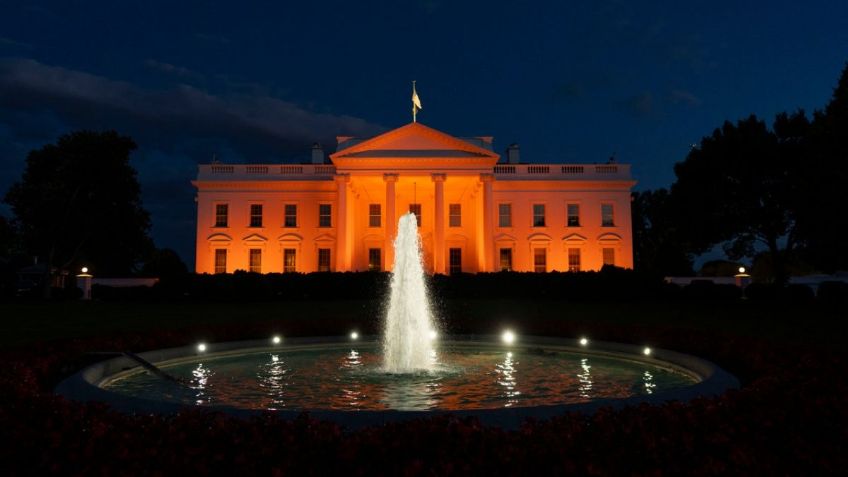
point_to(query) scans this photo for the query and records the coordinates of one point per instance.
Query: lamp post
(84, 282)
(742, 279)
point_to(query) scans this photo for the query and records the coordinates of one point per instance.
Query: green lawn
(24, 323)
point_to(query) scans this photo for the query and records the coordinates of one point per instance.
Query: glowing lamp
(584, 341)
(354, 336)
(508, 337)
(741, 269)
(84, 270)
(276, 340)
(201, 347)
(646, 351)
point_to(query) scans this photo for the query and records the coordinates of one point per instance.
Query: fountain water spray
(407, 333)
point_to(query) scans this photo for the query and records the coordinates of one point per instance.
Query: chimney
(317, 154)
(512, 154)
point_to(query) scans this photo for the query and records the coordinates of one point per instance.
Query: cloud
(680, 96)
(259, 126)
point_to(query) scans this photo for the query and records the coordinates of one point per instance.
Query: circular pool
(343, 379)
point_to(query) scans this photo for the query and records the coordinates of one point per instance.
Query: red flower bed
(789, 418)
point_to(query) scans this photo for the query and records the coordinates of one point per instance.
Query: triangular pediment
(411, 141)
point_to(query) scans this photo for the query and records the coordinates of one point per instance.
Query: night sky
(261, 81)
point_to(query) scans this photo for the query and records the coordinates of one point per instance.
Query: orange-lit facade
(477, 212)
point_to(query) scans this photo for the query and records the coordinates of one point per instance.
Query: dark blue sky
(260, 81)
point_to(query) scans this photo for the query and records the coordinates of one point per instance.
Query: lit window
(221, 212)
(289, 260)
(540, 260)
(256, 215)
(325, 212)
(609, 256)
(455, 215)
(506, 259)
(607, 218)
(504, 215)
(574, 260)
(374, 262)
(221, 260)
(538, 215)
(256, 260)
(290, 219)
(416, 209)
(573, 215)
(323, 259)
(455, 260)
(374, 215)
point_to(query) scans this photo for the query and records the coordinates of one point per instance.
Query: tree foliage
(78, 203)
(658, 246)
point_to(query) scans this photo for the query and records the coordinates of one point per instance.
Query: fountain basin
(342, 380)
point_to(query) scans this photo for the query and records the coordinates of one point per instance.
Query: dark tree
(78, 203)
(821, 217)
(658, 247)
(738, 189)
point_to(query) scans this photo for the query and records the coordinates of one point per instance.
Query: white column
(390, 218)
(488, 217)
(439, 230)
(342, 245)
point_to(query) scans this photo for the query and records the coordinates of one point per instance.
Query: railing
(563, 171)
(265, 171)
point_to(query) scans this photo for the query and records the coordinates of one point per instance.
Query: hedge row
(610, 284)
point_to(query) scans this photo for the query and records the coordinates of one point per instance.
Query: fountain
(502, 379)
(409, 325)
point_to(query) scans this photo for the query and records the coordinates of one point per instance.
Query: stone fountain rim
(85, 386)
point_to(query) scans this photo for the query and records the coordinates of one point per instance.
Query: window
(609, 256)
(455, 215)
(573, 215)
(290, 219)
(221, 260)
(256, 215)
(455, 255)
(538, 215)
(574, 260)
(323, 259)
(506, 259)
(504, 215)
(325, 212)
(374, 263)
(374, 215)
(607, 216)
(416, 209)
(256, 260)
(540, 260)
(289, 260)
(221, 212)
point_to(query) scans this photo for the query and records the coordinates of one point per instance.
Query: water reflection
(585, 378)
(416, 394)
(273, 378)
(506, 379)
(648, 379)
(199, 382)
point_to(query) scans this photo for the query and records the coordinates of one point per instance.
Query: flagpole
(414, 111)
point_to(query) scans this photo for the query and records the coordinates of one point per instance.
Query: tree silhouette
(737, 189)
(822, 219)
(658, 246)
(78, 203)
